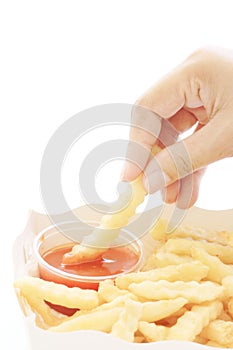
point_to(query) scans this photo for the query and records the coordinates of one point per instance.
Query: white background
(60, 57)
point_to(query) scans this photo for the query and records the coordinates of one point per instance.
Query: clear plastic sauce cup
(50, 245)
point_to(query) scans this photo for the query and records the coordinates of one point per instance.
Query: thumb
(207, 145)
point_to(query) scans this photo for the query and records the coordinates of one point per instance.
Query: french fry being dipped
(80, 253)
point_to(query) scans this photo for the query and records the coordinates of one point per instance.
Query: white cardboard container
(46, 340)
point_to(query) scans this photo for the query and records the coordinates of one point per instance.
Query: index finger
(144, 131)
(163, 101)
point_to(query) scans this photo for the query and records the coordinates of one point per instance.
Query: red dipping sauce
(114, 261)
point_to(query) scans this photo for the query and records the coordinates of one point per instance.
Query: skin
(198, 92)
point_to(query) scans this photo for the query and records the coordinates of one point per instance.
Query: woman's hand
(198, 92)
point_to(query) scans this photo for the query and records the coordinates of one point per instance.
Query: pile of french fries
(183, 292)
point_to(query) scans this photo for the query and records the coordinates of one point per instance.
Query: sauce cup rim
(37, 243)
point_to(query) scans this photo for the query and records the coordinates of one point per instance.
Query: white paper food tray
(44, 340)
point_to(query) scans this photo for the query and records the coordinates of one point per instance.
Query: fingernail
(155, 181)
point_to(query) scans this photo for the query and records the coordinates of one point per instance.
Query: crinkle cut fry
(191, 271)
(100, 320)
(217, 269)
(194, 292)
(127, 324)
(192, 322)
(114, 221)
(117, 302)
(153, 332)
(108, 292)
(156, 310)
(163, 259)
(117, 220)
(220, 331)
(58, 294)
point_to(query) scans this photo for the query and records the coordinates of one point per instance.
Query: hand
(198, 92)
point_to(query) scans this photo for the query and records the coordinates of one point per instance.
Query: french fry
(194, 292)
(127, 324)
(217, 269)
(82, 254)
(152, 332)
(156, 310)
(193, 271)
(116, 303)
(108, 291)
(163, 259)
(114, 221)
(184, 246)
(58, 294)
(121, 218)
(101, 320)
(192, 322)
(151, 311)
(220, 331)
